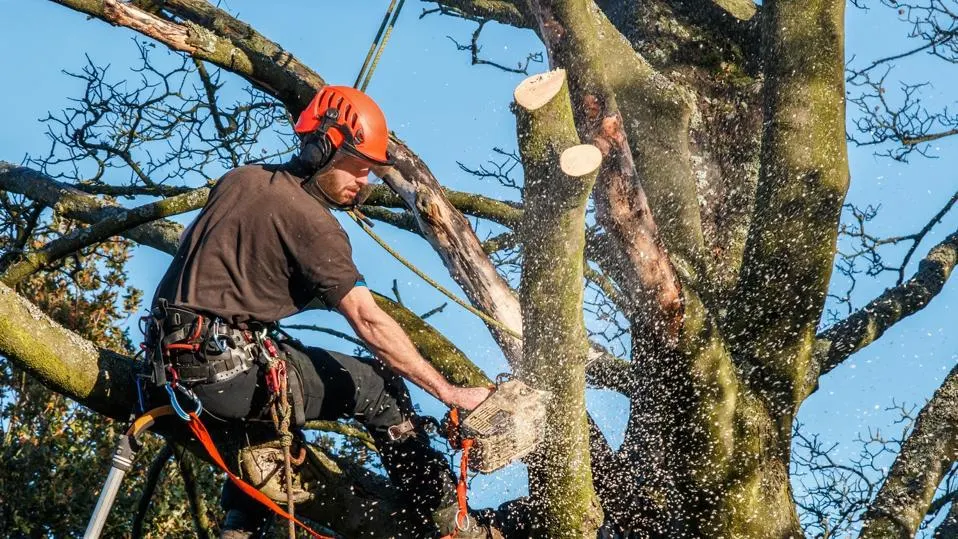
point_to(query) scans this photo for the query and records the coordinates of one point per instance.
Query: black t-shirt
(261, 249)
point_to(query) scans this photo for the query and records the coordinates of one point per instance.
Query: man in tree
(267, 246)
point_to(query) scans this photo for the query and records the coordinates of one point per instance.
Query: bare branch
(508, 12)
(111, 226)
(870, 323)
(927, 454)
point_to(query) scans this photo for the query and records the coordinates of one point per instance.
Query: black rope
(378, 45)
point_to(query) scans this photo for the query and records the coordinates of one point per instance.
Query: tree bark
(925, 457)
(869, 323)
(790, 249)
(645, 272)
(556, 346)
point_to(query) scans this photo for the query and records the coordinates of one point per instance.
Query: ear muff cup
(316, 151)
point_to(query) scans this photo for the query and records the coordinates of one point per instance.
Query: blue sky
(449, 111)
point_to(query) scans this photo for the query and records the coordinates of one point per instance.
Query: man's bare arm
(390, 343)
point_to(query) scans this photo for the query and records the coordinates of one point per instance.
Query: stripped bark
(928, 453)
(622, 207)
(559, 175)
(456, 243)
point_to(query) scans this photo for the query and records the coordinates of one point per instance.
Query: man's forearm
(389, 342)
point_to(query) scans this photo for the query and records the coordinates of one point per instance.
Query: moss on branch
(62, 360)
(804, 176)
(434, 346)
(926, 456)
(868, 324)
(559, 176)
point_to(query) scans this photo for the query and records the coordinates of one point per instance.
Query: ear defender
(316, 151)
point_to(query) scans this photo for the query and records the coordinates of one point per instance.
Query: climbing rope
(361, 221)
(378, 45)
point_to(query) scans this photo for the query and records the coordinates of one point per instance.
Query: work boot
(476, 525)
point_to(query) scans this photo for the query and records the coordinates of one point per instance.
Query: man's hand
(468, 398)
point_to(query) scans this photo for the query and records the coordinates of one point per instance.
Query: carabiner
(219, 341)
(176, 404)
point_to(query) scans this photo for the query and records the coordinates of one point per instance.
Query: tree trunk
(558, 178)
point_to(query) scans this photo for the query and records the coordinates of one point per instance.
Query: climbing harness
(171, 333)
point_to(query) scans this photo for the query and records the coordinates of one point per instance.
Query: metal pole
(122, 462)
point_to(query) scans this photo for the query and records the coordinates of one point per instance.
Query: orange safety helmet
(350, 119)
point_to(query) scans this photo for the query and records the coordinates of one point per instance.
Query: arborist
(267, 246)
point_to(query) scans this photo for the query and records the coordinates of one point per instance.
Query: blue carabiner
(176, 405)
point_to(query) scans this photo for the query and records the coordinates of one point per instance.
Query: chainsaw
(505, 427)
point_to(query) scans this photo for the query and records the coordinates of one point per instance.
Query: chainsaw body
(507, 426)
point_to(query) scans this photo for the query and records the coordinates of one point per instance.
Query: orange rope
(199, 430)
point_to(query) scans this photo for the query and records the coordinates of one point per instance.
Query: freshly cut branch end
(580, 160)
(535, 91)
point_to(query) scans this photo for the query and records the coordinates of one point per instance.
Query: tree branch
(790, 249)
(559, 175)
(61, 360)
(925, 457)
(497, 211)
(621, 204)
(867, 325)
(75, 204)
(605, 371)
(512, 13)
(111, 226)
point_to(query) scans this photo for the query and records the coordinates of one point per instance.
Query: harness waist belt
(220, 368)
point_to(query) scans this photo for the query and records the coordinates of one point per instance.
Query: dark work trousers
(338, 386)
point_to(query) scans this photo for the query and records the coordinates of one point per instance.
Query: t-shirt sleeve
(320, 250)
